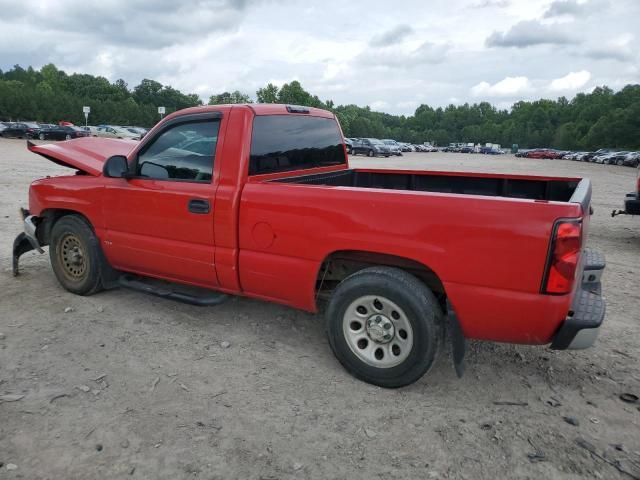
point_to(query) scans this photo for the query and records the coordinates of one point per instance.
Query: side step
(188, 294)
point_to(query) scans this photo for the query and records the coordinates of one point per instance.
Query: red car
(259, 201)
(544, 153)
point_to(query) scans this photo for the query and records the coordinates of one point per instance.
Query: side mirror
(116, 167)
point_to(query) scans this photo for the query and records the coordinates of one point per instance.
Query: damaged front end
(27, 240)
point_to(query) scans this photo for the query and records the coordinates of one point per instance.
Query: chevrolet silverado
(259, 201)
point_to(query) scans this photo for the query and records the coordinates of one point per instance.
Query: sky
(392, 56)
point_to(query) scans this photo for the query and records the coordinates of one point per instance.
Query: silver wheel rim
(377, 331)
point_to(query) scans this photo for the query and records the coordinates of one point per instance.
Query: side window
(183, 152)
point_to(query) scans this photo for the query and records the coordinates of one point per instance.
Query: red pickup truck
(259, 200)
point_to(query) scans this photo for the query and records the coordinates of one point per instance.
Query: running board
(144, 285)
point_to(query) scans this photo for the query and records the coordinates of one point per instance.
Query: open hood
(85, 154)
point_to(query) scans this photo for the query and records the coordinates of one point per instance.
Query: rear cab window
(282, 143)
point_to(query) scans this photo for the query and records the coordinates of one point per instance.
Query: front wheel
(75, 255)
(370, 153)
(41, 136)
(67, 137)
(383, 325)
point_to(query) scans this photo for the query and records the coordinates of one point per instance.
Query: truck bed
(511, 186)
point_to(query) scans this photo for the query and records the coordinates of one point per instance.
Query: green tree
(229, 98)
(268, 94)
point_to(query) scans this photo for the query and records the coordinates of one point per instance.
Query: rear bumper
(582, 325)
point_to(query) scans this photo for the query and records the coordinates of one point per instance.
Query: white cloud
(571, 82)
(507, 87)
(619, 48)
(530, 33)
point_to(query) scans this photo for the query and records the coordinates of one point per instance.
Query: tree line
(602, 118)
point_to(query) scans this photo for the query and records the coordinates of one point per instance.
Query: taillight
(563, 257)
(638, 182)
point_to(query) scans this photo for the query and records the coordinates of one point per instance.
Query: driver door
(160, 222)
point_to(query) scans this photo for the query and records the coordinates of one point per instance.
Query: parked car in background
(631, 201)
(492, 151)
(631, 159)
(348, 143)
(602, 157)
(139, 130)
(575, 156)
(371, 147)
(115, 132)
(597, 153)
(21, 130)
(523, 153)
(615, 158)
(547, 153)
(394, 147)
(62, 132)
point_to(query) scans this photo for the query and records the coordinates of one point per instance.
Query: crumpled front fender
(25, 241)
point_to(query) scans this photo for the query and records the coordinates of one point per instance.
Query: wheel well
(339, 265)
(50, 217)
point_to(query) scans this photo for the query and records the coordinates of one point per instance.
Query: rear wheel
(370, 153)
(383, 325)
(67, 137)
(75, 255)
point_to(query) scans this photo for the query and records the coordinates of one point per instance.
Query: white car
(115, 132)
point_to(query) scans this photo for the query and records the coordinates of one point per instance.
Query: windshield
(375, 141)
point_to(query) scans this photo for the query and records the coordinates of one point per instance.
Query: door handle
(197, 205)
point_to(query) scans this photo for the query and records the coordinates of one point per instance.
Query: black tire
(42, 136)
(620, 162)
(370, 153)
(67, 137)
(416, 301)
(71, 235)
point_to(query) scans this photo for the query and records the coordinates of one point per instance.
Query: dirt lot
(123, 385)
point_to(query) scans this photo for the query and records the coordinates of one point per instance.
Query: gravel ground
(123, 385)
